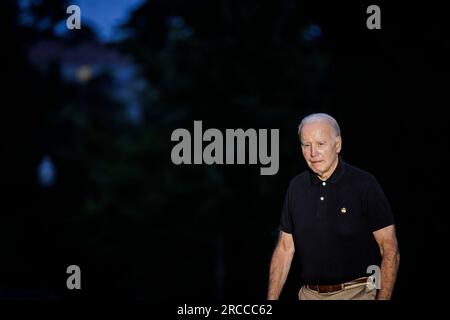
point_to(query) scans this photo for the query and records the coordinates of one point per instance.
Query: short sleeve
(286, 224)
(379, 213)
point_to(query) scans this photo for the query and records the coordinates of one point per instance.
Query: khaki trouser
(361, 292)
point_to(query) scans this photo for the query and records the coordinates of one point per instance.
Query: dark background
(86, 124)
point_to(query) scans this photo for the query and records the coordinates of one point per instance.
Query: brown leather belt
(336, 287)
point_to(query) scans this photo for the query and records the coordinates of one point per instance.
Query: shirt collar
(335, 176)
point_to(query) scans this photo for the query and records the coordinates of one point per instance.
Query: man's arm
(280, 265)
(387, 241)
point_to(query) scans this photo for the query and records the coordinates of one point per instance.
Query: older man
(338, 220)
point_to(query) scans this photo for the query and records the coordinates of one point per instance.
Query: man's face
(320, 147)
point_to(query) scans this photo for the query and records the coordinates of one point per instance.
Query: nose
(313, 151)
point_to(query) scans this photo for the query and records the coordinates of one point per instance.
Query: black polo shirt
(332, 223)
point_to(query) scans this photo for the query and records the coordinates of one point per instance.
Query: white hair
(315, 117)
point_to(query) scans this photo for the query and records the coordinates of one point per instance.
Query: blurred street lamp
(46, 172)
(84, 73)
(312, 32)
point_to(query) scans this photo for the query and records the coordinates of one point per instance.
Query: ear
(338, 144)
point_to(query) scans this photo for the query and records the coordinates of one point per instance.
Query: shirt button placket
(323, 184)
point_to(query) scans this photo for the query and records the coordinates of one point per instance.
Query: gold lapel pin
(343, 210)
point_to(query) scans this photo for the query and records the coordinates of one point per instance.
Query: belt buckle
(371, 282)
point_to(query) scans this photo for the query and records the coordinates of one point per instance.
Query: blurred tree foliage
(79, 125)
(29, 99)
